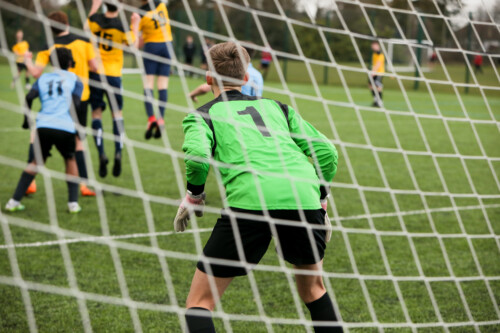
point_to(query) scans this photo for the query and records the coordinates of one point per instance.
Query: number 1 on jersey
(257, 119)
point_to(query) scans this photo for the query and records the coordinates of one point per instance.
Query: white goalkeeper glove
(191, 204)
(328, 224)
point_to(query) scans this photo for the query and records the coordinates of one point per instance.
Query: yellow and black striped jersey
(82, 51)
(111, 34)
(20, 49)
(376, 58)
(155, 24)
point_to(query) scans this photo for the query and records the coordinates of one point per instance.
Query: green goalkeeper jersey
(261, 149)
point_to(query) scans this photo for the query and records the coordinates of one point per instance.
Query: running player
(156, 35)
(377, 74)
(269, 146)
(84, 56)
(20, 49)
(112, 32)
(54, 124)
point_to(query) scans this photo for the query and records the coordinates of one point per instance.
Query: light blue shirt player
(56, 91)
(255, 84)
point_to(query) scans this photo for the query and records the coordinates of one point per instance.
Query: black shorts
(154, 67)
(97, 91)
(48, 137)
(21, 67)
(377, 80)
(294, 241)
(265, 64)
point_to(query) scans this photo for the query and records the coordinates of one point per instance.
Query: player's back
(82, 52)
(155, 24)
(252, 135)
(55, 90)
(111, 34)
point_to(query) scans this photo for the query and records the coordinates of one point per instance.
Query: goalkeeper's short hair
(229, 60)
(62, 58)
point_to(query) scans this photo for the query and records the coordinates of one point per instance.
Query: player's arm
(96, 4)
(198, 143)
(314, 145)
(202, 89)
(92, 62)
(35, 69)
(135, 19)
(76, 95)
(30, 97)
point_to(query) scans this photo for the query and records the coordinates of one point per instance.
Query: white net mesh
(415, 204)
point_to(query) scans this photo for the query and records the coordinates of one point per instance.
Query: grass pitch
(366, 206)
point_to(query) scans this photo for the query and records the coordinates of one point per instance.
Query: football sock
(118, 128)
(72, 191)
(80, 163)
(27, 80)
(22, 185)
(380, 95)
(197, 323)
(31, 154)
(322, 310)
(97, 126)
(163, 97)
(148, 96)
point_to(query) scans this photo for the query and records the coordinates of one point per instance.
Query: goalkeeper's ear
(209, 78)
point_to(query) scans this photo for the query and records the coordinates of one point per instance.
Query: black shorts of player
(48, 137)
(98, 90)
(377, 80)
(21, 67)
(265, 64)
(154, 67)
(294, 241)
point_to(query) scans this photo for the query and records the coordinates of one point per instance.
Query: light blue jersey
(255, 83)
(55, 91)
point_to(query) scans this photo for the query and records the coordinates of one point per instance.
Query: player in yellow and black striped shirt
(377, 74)
(112, 32)
(157, 37)
(85, 60)
(20, 49)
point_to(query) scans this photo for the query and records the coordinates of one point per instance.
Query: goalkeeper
(264, 148)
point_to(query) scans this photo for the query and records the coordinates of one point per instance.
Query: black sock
(148, 97)
(162, 97)
(380, 94)
(31, 154)
(80, 162)
(322, 310)
(118, 129)
(72, 191)
(97, 127)
(197, 323)
(22, 185)
(27, 79)
(373, 92)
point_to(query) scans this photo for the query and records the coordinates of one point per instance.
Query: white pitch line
(96, 238)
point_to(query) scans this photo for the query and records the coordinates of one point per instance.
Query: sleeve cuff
(195, 189)
(323, 192)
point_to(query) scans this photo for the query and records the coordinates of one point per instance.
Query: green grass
(96, 274)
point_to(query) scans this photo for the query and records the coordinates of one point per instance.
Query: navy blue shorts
(153, 67)
(97, 91)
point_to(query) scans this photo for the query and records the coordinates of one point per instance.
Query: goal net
(415, 205)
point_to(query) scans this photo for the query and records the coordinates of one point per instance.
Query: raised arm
(314, 145)
(95, 7)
